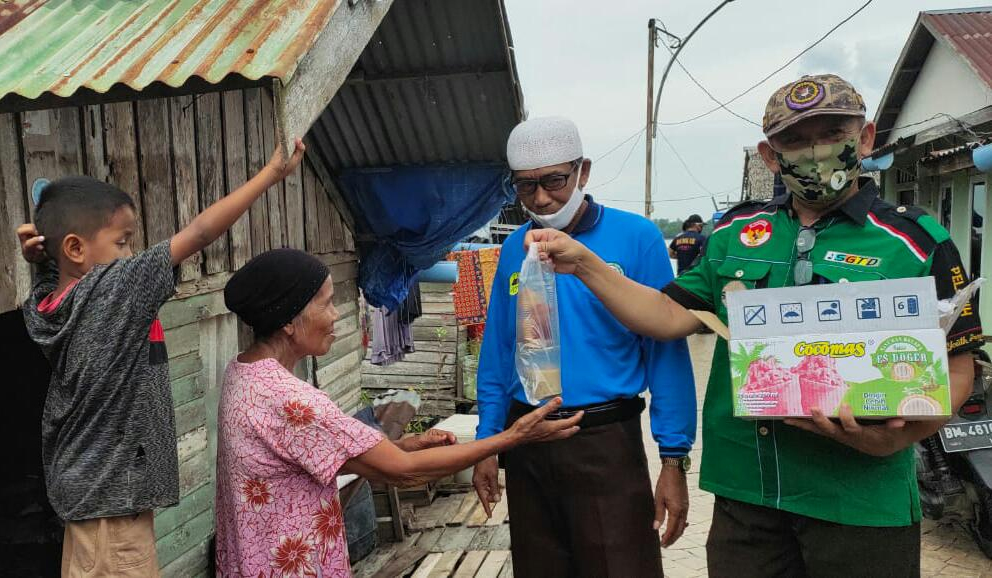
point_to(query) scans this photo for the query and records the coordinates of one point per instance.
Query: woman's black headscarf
(273, 288)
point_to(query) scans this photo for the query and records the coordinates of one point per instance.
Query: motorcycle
(954, 466)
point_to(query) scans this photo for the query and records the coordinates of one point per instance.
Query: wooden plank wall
(432, 369)
(176, 156)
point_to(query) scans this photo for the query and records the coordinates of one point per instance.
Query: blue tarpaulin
(416, 214)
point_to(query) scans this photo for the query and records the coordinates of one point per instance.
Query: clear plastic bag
(538, 355)
(950, 309)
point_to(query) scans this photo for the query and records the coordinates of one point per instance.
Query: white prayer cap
(543, 142)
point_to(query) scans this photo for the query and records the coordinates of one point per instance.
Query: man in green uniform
(803, 497)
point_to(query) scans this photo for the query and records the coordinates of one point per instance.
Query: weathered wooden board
(493, 564)
(182, 115)
(427, 565)
(193, 473)
(185, 365)
(470, 501)
(184, 538)
(192, 443)
(257, 157)
(155, 162)
(93, 143)
(484, 538)
(499, 513)
(274, 196)
(179, 312)
(210, 160)
(193, 563)
(311, 216)
(187, 388)
(121, 149)
(446, 565)
(51, 144)
(236, 171)
(458, 537)
(191, 505)
(501, 538)
(470, 564)
(182, 340)
(15, 273)
(190, 416)
(478, 517)
(402, 560)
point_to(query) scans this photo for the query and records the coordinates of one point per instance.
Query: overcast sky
(587, 60)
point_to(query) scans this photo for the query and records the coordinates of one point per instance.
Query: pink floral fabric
(281, 442)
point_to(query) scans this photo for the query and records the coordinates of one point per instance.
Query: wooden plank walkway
(449, 538)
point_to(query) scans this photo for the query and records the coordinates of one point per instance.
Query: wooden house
(178, 103)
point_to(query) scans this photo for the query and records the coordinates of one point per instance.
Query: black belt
(595, 414)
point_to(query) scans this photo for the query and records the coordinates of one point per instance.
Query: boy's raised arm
(220, 216)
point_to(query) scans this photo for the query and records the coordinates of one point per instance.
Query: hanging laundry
(412, 307)
(489, 259)
(470, 297)
(391, 338)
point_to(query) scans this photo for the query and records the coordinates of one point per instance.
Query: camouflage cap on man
(811, 96)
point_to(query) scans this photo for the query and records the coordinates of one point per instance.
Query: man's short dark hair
(76, 205)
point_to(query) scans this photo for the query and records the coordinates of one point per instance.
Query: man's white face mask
(562, 218)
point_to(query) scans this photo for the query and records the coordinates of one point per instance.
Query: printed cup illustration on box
(875, 345)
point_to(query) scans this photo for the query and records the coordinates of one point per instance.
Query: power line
(773, 73)
(684, 165)
(622, 166)
(697, 197)
(708, 93)
(623, 142)
(952, 118)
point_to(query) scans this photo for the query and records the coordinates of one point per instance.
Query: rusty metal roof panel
(969, 33)
(61, 46)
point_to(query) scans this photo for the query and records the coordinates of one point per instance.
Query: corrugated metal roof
(969, 33)
(966, 31)
(436, 83)
(60, 47)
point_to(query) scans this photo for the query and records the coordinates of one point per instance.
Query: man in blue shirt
(583, 507)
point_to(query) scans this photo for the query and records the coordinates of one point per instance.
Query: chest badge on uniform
(757, 233)
(514, 283)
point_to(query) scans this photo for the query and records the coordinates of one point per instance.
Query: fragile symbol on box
(828, 310)
(906, 305)
(868, 308)
(754, 315)
(792, 312)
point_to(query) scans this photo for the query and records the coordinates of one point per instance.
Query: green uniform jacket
(767, 462)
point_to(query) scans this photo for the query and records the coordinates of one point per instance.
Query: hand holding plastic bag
(538, 355)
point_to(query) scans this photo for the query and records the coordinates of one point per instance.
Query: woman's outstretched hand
(534, 427)
(432, 438)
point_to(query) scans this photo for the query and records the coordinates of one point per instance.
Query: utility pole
(648, 130)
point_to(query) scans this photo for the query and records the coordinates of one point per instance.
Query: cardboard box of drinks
(875, 345)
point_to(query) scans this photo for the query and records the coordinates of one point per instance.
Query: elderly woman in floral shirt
(282, 442)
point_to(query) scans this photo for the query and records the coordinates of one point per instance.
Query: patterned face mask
(819, 175)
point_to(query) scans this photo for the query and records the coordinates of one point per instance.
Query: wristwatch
(683, 463)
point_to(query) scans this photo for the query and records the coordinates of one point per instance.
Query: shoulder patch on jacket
(920, 230)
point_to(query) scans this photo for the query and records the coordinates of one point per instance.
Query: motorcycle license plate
(964, 436)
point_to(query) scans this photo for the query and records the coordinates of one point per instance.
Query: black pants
(747, 540)
(583, 506)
